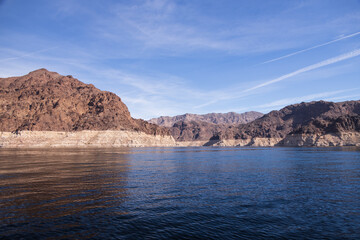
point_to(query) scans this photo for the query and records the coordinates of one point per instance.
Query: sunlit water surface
(180, 193)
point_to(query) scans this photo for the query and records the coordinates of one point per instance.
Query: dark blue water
(180, 193)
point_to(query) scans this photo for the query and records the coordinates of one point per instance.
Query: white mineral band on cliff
(38, 139)
(83, 139)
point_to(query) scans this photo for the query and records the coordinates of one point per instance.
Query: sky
(165, 58)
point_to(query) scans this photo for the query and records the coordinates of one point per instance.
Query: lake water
(180, 193)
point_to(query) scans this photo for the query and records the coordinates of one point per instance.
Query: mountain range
(215, 118)
(314, 118)
(43, 102)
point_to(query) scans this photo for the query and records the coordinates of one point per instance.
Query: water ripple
(180, 193)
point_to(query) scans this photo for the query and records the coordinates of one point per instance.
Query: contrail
(307, 49)
(309, 68)
(26, 55)
(286, 76)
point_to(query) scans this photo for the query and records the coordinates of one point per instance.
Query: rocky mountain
(215, 118)
(317, 118)
(311, 117)
(47, 101)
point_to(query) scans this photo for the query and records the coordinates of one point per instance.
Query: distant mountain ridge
(315, 119)
(214, 118)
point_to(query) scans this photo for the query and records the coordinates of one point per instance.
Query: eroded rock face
(215, 118)
(48, 101)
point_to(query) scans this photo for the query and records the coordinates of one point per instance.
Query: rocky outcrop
(230, 118)
(48, 101)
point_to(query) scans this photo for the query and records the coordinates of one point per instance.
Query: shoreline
(82, 139)
(125, 138)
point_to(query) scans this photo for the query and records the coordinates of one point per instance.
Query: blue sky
(173, 57)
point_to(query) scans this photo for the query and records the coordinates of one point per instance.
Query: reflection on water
(182, 193)
(40, 186)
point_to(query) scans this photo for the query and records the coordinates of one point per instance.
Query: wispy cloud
(327, 96)
(178, 28)
(232, 94)
(27, 54)
(344, 97)
(155, 24)
(277, 104)
(308, 68)
(288, 101)
(310, 48)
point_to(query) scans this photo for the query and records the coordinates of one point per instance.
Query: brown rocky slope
(47, 101)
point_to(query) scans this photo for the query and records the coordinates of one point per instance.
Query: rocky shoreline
(83, 139)
(296, 140)
(326, 140)
(109, 138)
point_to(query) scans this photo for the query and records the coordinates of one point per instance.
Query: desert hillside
(47, 101)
